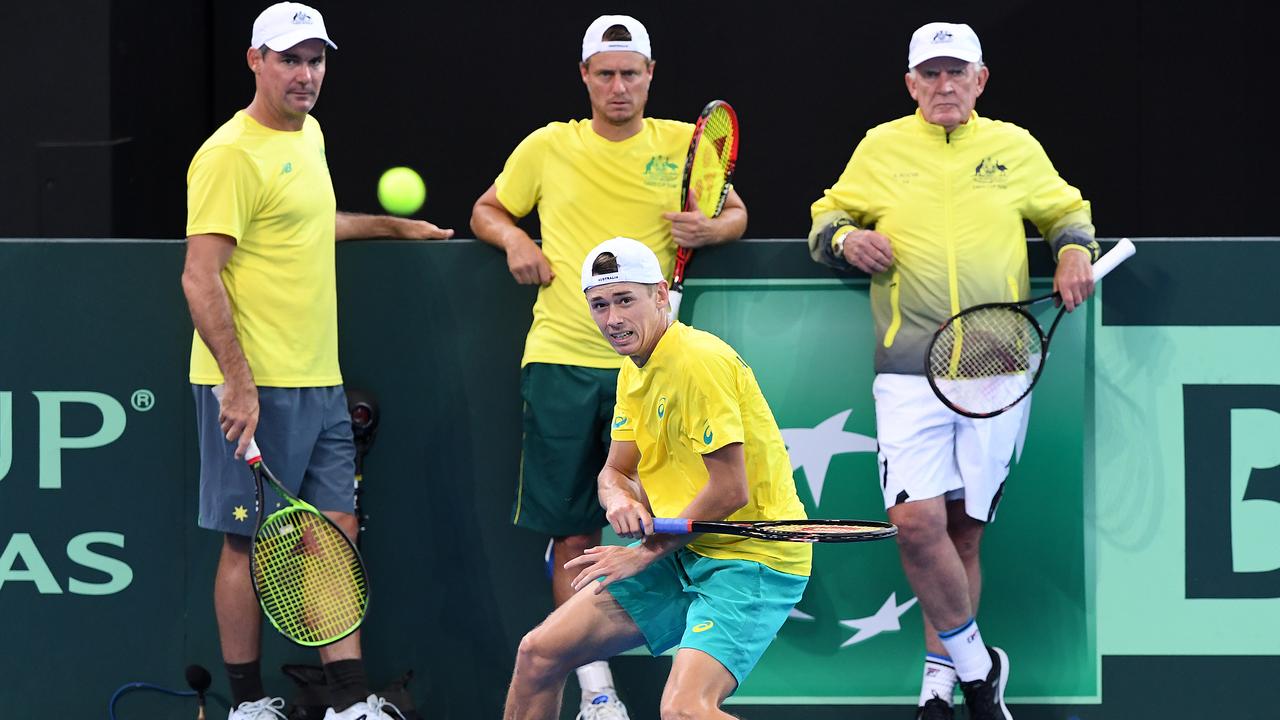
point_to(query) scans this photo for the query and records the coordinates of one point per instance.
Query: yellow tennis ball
(401, 191)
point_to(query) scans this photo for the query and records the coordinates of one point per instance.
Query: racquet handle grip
(672, 526)
(1116, 255)
(674, 298)
(251, 454)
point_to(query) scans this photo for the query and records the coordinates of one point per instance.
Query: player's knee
(346, 522)
(966, 535)
(685, 706)
(536, 659)
(919, 530)
(682, 713)
(967, 544)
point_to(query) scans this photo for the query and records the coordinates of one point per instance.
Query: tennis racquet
(708, 172)
(806, 531)
(986, 359)
(307, 574)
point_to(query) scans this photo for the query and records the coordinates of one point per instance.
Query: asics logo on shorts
(704, 626)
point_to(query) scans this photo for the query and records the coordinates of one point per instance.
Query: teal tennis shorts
(728, 609)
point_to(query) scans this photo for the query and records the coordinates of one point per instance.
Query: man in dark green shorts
(617, 173)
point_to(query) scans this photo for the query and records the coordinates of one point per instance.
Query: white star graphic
(885, 620)
(812, 449)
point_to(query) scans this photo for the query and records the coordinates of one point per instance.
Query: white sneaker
(372, 708)
(603, 707)
(268, 708)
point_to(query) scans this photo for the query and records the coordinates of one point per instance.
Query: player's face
(631, 316)
(946, 89)
(618, 84)
(289, 81)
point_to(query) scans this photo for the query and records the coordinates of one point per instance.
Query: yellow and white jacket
(952, 207)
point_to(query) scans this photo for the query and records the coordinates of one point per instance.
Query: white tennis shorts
(927, 450)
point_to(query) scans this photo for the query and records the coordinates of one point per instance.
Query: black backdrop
(1162, 115)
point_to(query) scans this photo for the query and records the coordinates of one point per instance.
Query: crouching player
(692, 437)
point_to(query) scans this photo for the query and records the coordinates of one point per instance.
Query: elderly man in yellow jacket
(932, 205)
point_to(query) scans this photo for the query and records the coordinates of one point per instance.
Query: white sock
(595, 679)
(964, 645)
(939, 679)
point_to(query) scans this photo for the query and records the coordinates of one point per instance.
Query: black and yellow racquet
(307, 574)
(708, 175)
(806, 531)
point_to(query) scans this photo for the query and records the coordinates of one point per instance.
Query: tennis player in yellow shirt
(692, 437)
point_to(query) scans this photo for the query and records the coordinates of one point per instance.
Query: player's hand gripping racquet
(806, 531)
(987, 358)
(708, 174)
(308, 576)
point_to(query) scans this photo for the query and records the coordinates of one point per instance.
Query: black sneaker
(984, 699)
(935, 709)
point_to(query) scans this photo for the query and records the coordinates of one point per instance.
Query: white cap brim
(920, 57)
(288, 40)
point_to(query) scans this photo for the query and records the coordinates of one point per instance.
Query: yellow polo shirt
(586, 190)
(270, 191)
(695, 396)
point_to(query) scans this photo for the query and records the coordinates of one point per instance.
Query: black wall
(1162, 114)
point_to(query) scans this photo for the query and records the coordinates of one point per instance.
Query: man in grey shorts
(260, 283)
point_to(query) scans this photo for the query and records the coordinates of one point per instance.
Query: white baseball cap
(286, 24)
(636, 263)
(942, 39)
(593, 40)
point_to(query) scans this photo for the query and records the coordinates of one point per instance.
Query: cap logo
(942, 36)
(301, 18)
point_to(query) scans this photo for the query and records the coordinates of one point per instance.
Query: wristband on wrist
(837, 240)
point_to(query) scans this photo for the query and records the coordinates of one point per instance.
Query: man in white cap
(692, 438)
(932, 207)
(260, 284)
(616, 173)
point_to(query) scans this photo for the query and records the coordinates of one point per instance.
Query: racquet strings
(712, 160)
(310, 580)
(985, 360)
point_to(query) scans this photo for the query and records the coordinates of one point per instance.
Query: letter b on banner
(1232, 446)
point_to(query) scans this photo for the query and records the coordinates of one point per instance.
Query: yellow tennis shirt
(695, 396)
(588, 189)
(270, 191)
(953, 209)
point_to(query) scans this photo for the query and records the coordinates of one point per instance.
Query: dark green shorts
(567, 411)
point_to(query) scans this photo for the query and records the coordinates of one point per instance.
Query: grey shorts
(305, 438)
